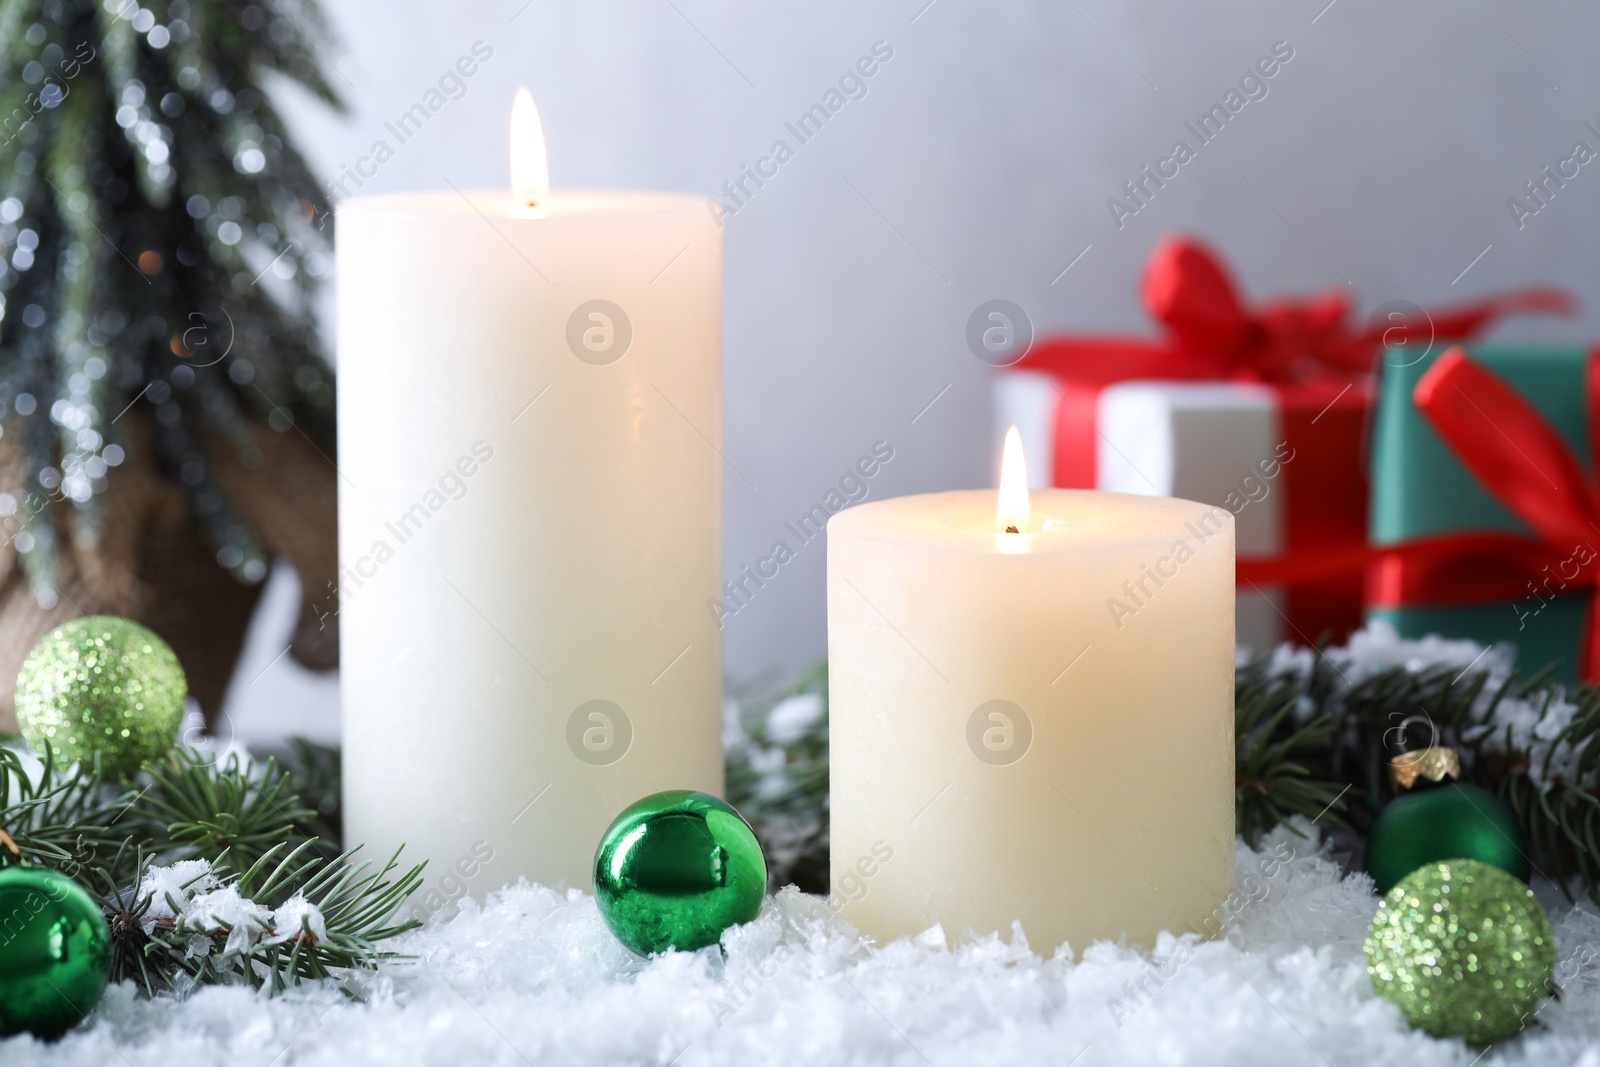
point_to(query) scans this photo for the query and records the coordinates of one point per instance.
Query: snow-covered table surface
(534, 977)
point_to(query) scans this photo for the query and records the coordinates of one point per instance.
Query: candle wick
(1012, 529)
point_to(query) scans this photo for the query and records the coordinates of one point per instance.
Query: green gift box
(1428, 504)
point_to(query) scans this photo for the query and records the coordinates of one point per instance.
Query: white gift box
(1205, 441)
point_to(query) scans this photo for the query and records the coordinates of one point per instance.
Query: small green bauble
(676, 869)
(1439, 818)
(1463, 949)
(55, 953)
(101, 685)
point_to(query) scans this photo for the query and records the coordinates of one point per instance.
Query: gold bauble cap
(1435, 763)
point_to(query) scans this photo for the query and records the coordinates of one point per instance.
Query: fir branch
(241, 828)
(316, 774)
(1275, 759)
(53, 819)
(205, 811)
(1529, 740)
(354, 906)
(779, 780)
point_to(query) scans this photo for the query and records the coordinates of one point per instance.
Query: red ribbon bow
(1514, 452)
(1212, 334)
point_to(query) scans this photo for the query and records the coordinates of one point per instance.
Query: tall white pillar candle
(1033, 726)
(529, 413)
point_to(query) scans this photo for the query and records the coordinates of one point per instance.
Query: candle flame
(530, 165)
(1012, 516)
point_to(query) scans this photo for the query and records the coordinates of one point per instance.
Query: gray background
(977, 166)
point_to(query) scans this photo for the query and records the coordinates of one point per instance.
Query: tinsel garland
(154, 215)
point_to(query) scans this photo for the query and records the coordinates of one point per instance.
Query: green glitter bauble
(1463, 949)
(676, 869)
(55, 953)
(101, 686)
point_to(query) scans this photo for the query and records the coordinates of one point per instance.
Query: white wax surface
(1117, 818)
(576, 563)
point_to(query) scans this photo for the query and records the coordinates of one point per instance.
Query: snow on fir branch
(1505, 721)
(1341, 713)
(211, 869)
(776, 746)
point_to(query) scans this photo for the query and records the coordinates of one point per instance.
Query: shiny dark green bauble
(1463, 950)
(55, 953)
(676, 869)
(1451, 820)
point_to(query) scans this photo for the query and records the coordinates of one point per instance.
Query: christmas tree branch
(208, 871)
(1532, 742)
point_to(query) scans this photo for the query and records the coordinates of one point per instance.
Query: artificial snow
(169, 888)
(533, 976)
(295, 916)
(196, 901)
(790, 719)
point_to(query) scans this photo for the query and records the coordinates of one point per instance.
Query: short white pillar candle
(1032, 726)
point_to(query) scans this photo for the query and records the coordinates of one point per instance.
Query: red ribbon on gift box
(1520, 459)
(1317, 362)
(1212, 336)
